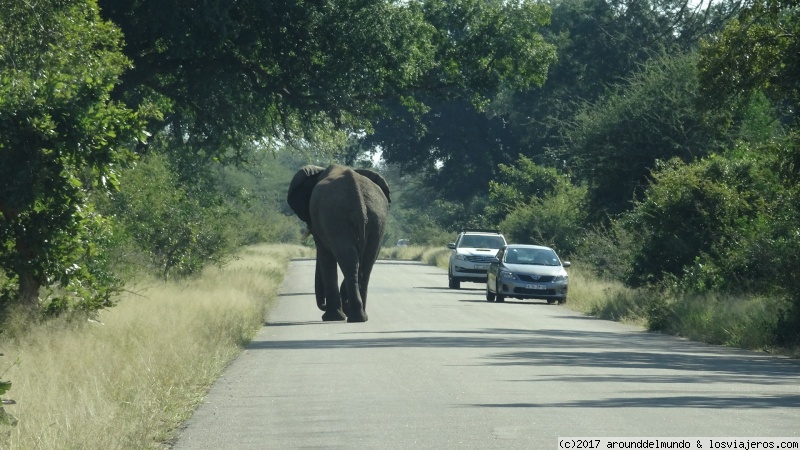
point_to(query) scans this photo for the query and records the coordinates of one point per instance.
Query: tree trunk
(29, 291)
(29, 280)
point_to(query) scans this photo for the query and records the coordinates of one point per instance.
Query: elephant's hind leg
(326, 264)
(354, 304)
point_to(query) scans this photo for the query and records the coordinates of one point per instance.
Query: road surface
(444, 369)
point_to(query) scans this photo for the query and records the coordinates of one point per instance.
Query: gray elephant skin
(345, 210)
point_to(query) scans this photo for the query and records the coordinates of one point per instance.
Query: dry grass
(434, 256)
(128, 380)
(603, 298)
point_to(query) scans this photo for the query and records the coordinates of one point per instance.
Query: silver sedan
(527, 272)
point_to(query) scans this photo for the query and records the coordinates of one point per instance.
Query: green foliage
(456, 148)
(518, 183)
(229, 73)
(419, 227)
(256, 196)
(687, 212)
(599, 44)
(615, 142)
(174, 229)
(759, 51)
(420, 214)
(537, 205)
(489, 43)
(723, 223)
(60, 137)
(482, 47)
(555, 220)
(609, 249)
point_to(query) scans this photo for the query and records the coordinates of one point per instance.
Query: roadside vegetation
(129, 377)
(748, 322)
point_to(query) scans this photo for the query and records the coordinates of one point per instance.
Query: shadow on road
(296, 294)
(688, 401)
(654, 358)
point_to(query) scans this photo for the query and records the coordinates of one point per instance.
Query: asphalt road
(441, 368)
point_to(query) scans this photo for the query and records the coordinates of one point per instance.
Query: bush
(685, 213)
(176, 233)
(608, 249)
(555, 220)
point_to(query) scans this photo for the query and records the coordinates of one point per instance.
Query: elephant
(345, 210)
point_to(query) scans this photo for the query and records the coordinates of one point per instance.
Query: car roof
(527, 246)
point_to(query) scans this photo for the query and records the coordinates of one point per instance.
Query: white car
(471, 254)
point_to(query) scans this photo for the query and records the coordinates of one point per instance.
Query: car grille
(541, 279)
(534, 291)
(463, 270)
(479, 258)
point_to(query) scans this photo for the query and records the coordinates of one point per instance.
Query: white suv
(471, 255)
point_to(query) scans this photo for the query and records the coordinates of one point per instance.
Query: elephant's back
(346, 202)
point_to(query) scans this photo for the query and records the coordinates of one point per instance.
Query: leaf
(7, 419)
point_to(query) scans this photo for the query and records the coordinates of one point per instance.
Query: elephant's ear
(300, 189)
(377, 179)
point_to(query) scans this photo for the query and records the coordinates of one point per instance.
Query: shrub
(555, 220)
(177, 233)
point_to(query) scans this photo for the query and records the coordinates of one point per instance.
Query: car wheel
(550, 301)
(454, 284)
(500, 298)
(489, 294)
(562, 301)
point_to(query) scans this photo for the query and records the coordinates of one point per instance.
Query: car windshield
(476, 241)
(533, 256)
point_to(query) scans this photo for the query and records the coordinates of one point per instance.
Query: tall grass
(605, 299)
(434, 256)
(130, 378)
(748, 322)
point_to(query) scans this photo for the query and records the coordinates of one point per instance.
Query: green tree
(455, 143)
(759, 51)
(518, 183)
(457, 151)
(537, 205)
(60, 136)
(615, 143)
(726, 223)
(687, 211)
(176, 232)
(600, 44)
(226, 73)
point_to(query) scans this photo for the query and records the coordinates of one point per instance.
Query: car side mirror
(566, 264)
(451, 246)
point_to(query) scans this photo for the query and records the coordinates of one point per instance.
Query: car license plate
(481, 266)
(536, 286)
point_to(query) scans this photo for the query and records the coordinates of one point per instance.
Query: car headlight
(461, 257)
(559, 278)
(508, 275)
